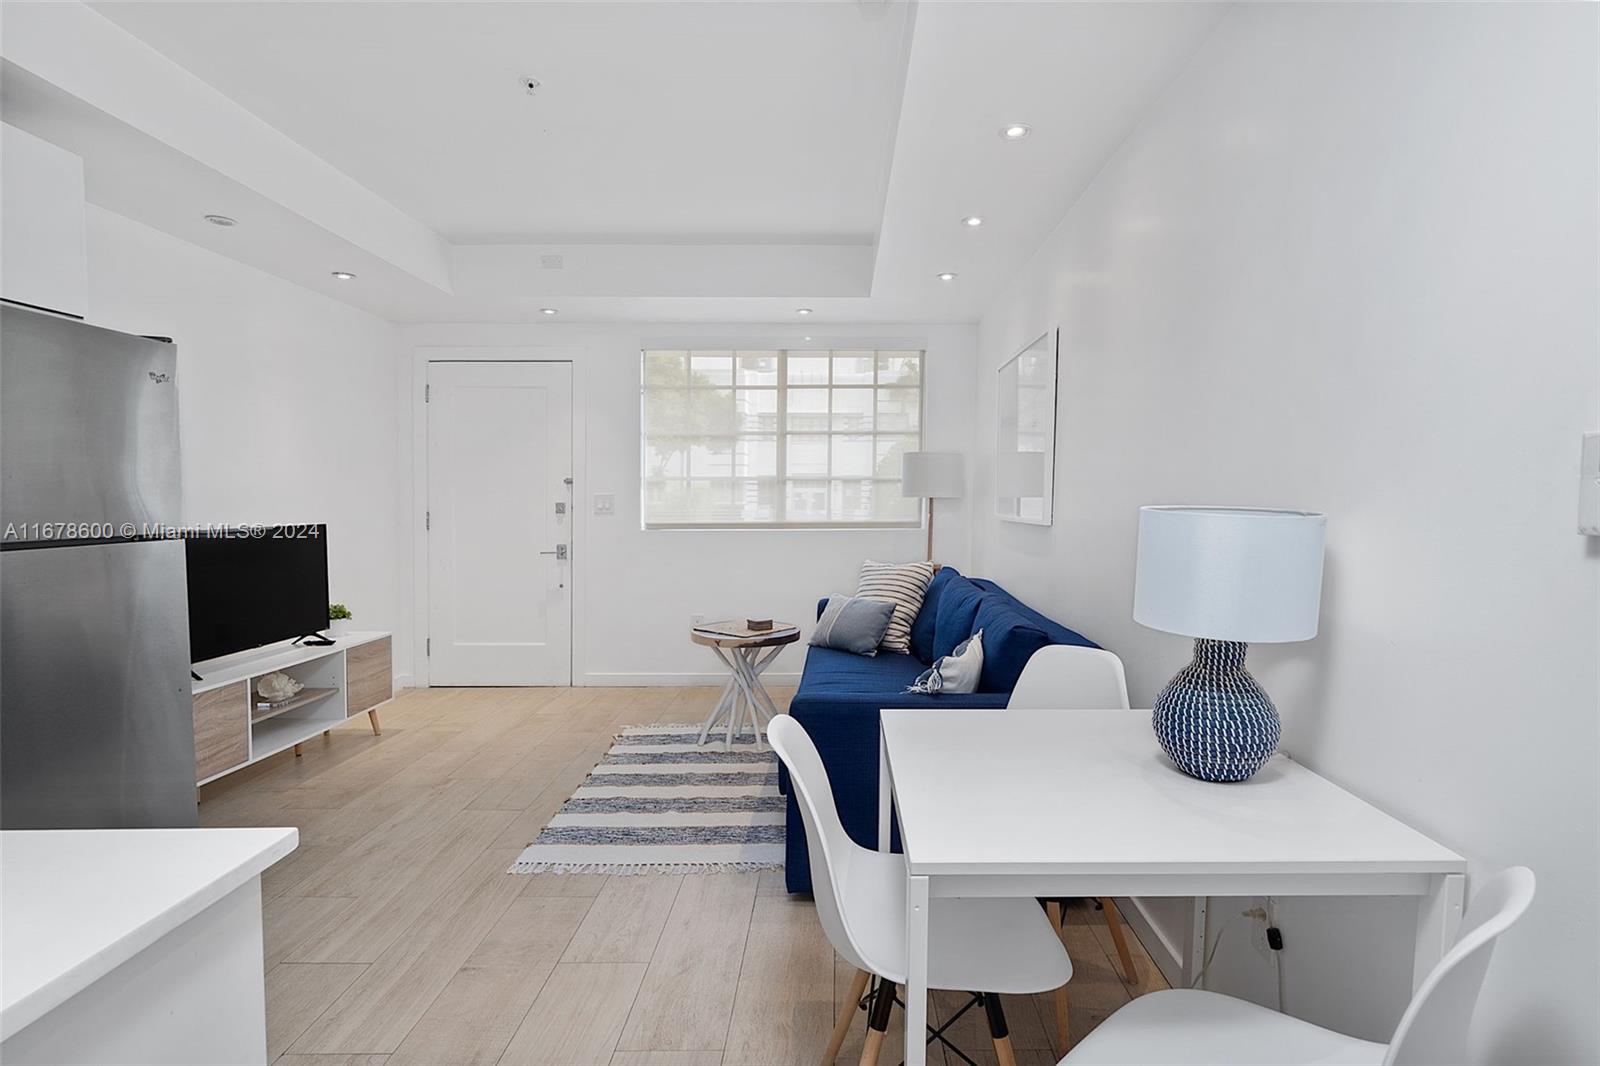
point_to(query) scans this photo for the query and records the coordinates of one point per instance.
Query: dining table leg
(916, 971)
(885, 793)
(1438, 921)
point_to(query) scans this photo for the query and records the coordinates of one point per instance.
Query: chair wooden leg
(858, 986)
(1120, 938)
(998, 1031)
(372, 716)
(1052, 909)
(877, 1023)
(1063, 1027)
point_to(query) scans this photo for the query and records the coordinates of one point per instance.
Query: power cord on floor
(1275, 942)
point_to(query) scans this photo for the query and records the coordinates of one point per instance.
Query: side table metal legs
(743, 698)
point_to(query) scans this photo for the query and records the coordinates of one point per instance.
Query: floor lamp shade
(932, 476)
(1225, 576)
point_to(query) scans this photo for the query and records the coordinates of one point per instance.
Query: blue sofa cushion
(831, 674)
(1009, 641)
(1058, 633)
(922, 629)
(958, 607)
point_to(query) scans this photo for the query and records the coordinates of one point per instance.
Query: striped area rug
(657, 803)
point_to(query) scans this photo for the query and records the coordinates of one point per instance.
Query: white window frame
(782, 433)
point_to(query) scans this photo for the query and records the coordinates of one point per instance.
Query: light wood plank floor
(395, 937)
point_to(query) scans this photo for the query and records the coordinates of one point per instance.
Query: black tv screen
(255, 586)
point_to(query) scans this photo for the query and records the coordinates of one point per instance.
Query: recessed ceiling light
(972, 221)
(805, 338)
(344, 275)
(802, 310)
(1015, 131)
(947, 276)
(221, 220)
(548, 311)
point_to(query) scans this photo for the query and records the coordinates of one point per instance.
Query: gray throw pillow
(854, 624)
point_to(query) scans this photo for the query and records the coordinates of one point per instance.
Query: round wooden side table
(744, 697)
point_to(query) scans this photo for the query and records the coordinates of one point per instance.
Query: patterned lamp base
(1212, 719)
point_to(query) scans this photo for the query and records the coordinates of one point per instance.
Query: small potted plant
(338, 619)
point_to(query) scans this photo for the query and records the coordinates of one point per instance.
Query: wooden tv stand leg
(297, 751)
(372, 716)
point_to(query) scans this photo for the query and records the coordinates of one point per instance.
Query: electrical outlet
(696, 619)
(1263, 930)
(605, 503)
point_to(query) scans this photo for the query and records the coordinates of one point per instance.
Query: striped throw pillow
(902, 584)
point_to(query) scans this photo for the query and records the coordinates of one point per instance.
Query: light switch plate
(1589, 487)
(605, 503)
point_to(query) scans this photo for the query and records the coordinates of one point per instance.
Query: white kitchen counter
(118, 942)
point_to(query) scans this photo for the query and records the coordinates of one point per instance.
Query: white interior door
(499, 456)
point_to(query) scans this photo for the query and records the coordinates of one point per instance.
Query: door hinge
(429, 652)
(427, 519)
(427, 394)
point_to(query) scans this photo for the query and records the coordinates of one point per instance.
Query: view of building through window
(779, 437)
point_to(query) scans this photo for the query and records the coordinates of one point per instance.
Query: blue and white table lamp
(1227, 576)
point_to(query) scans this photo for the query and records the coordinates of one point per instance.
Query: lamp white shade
(1019, 474)
(1230, 573)
(935, 475)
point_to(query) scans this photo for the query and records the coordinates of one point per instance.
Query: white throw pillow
(957, 672)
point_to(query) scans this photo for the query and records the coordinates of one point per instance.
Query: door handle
(560, 551)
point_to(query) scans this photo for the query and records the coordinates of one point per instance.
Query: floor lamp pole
(930, 529)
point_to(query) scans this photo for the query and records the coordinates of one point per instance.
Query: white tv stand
(232, 731)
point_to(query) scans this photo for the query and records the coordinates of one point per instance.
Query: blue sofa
(840, 694)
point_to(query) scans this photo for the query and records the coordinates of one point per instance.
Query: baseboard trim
(1167, 956)
(643, 680)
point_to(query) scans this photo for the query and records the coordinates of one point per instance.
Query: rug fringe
(631, 869)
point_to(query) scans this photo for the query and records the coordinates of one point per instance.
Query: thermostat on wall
(1589, 487)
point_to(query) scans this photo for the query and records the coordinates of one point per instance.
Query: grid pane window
(772, 438)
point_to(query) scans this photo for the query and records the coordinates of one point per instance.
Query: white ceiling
(687, 161)
(677, 121)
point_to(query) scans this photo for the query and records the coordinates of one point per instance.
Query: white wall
(286, 401)
(1348, 263)
(635, 590)
(41, 238)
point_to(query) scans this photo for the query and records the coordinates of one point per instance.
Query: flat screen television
(246, 590)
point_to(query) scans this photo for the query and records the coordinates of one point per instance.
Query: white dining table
(1040, 803)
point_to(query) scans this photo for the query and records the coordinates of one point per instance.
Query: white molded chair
(1186, 1027)
(1070, 678)
(983, 946)
(1066, 677)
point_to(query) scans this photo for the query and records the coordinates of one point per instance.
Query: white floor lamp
(933, 476)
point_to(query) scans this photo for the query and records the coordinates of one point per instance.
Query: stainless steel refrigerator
(96, 717)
